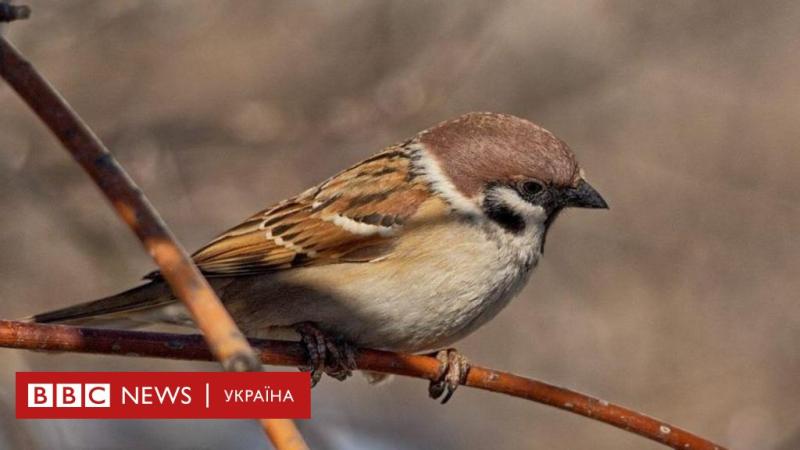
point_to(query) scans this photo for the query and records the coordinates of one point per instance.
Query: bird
(409, 250)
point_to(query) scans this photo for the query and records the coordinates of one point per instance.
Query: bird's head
(509, 169)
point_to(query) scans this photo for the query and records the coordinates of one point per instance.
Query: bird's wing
(352, 217)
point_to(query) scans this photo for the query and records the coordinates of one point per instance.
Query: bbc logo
(69, 395)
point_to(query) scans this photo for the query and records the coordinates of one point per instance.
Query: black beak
(583, 196)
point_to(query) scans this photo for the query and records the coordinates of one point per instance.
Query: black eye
(531, 188)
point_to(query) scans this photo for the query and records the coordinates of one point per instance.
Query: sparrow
(409, 250)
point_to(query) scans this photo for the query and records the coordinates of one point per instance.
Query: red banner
(163, 395)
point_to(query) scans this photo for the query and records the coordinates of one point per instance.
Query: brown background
(681, 301)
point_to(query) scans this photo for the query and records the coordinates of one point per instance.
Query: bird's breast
(441, 283)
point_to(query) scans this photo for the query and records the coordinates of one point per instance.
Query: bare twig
(284, 353)
(226, 342)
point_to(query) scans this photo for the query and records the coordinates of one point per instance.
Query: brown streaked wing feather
(378, 192)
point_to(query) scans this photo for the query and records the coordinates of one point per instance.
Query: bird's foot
(331, 355)
(453, 369)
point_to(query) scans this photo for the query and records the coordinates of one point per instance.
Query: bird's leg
(453, 369)
(333, 356)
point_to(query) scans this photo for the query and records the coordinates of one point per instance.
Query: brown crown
(480, 148)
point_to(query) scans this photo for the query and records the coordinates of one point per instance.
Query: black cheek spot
(504, 216)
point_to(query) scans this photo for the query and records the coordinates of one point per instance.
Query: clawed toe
(453, 369)
(333, 356)
(342, 359)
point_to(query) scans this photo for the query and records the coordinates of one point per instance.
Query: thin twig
(285, 353)
(226, 342)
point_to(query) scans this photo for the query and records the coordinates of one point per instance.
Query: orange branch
(284, 353)
(283, 434)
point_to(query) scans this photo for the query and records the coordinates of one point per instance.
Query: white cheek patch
(511, 198)
(441, 183)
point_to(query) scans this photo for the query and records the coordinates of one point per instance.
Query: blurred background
(680, 302)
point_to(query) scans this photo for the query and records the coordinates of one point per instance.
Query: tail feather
(113, 308)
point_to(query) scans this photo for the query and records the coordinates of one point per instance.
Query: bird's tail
(120, 310)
